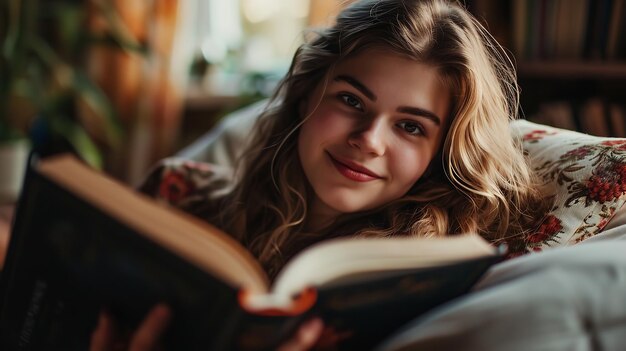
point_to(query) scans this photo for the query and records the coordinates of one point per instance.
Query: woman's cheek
(410, 164)
(327, 120)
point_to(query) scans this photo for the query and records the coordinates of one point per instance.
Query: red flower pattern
(535, 135)
(174, 186)
(550, 226)
(603, 223)
(607, 183)
(617, 144)
(578, 153)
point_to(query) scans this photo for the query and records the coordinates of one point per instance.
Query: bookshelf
(560, 69)
(570, 56)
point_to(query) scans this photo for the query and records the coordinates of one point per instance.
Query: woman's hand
(6, 215)
(306, 337)
(145, 338)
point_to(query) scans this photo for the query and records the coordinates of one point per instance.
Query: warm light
(323, 12)
(256, 11)
(298, 8)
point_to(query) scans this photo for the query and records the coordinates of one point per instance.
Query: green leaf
(79, 139)
(70, 18)
(9, 134)
(98, 102)
(120, 34)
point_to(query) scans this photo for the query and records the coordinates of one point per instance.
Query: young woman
(393, 122)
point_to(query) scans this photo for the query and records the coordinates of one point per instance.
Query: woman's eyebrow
(420, 112)
(404, 109)
(357, 85)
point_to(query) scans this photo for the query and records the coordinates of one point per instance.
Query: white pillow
(223, 144)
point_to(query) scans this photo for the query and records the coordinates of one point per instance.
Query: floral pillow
(586, 173)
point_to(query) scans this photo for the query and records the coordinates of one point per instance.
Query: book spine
(593, 118)
(614, 28)
(534, 28)
(518, 27)
(618, 124)
(620, 50)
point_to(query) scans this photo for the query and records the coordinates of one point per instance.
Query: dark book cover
(67, 261)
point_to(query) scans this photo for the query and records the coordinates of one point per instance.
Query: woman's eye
(351, 101)
(411, 128)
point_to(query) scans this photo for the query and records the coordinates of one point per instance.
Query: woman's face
(371, 134)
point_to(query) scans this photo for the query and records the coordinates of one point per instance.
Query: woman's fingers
(147, 336)
(103, 337)
(6, 215)
(305, 337)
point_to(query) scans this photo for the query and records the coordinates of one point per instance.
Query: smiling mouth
(353, 171)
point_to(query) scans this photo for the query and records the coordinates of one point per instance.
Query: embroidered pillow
(586, 173)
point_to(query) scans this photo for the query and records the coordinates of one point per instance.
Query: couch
(567, 293)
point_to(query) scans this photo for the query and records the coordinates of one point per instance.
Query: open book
(82, 242)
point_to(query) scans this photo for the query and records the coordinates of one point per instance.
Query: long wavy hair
(479, 183)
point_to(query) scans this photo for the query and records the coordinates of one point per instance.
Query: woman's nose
(370, 138)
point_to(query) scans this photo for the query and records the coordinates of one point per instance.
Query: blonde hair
(480, 182)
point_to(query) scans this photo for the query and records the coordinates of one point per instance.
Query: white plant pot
(13, 158)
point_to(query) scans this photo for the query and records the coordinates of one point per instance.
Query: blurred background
(123, 83)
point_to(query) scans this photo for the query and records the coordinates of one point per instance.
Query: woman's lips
(353, 171)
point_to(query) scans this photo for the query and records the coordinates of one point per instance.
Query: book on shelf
(557, 114)
(593, 117)
(570, 34)
(570, 30)
(598, 24)
(533, 28)
(616, 46)
(518, 28)
(551, 26)
(82, 242)
(617, 118)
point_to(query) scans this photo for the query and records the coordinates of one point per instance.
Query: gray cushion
(571, 298)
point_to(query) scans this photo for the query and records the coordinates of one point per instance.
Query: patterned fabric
(194, 187)
(587, 174)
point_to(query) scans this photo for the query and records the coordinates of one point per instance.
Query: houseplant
(47, 101)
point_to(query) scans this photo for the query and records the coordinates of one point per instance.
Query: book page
(340, 259)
